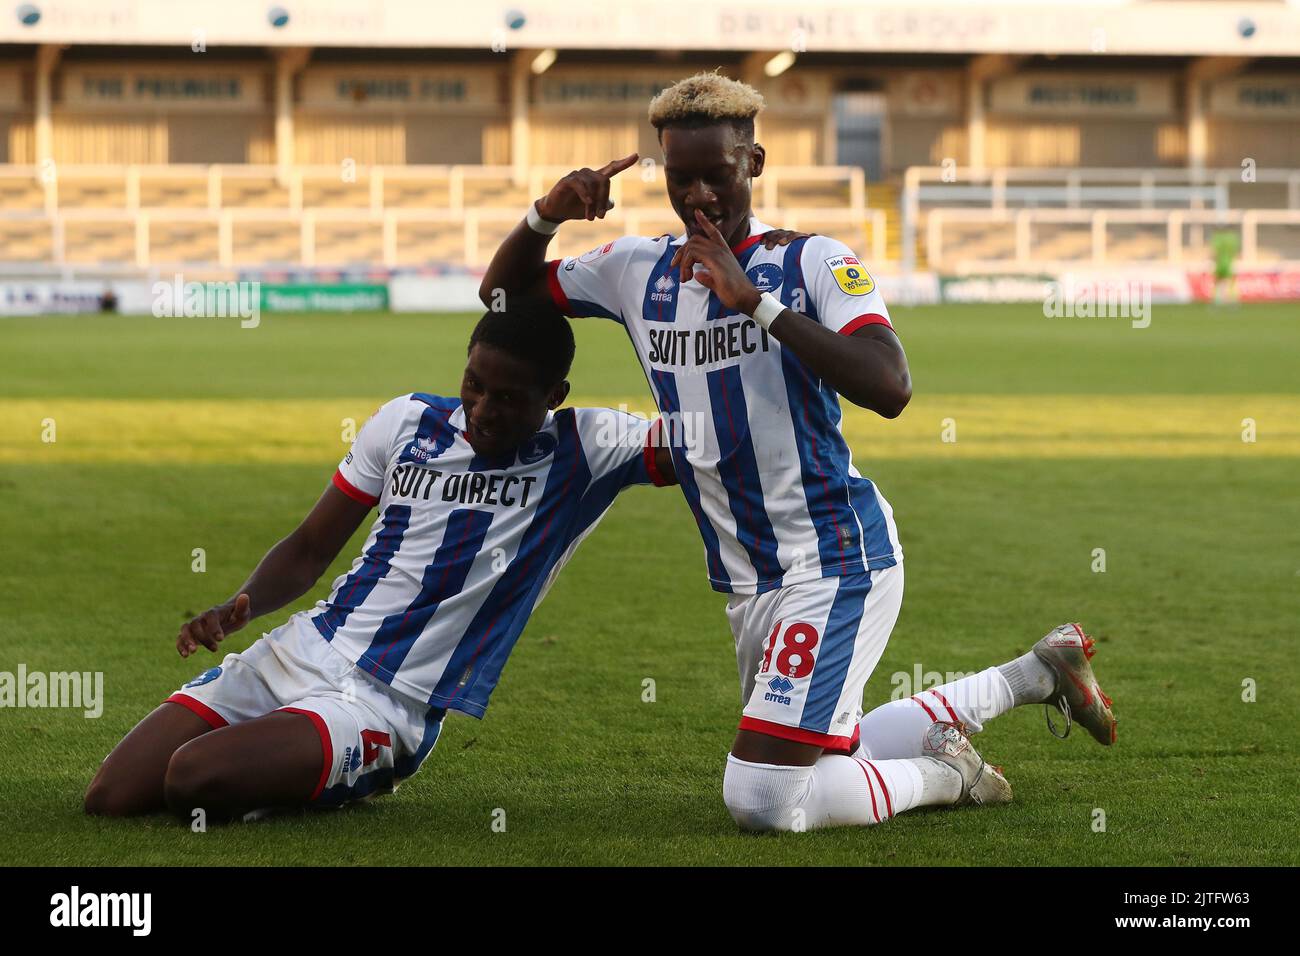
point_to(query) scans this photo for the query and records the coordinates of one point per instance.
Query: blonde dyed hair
(705, 98)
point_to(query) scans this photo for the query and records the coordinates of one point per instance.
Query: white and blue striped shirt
(756, 436)
(464, 548)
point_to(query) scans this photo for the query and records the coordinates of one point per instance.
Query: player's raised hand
(584, 193)
(212, 625)
(721, 273)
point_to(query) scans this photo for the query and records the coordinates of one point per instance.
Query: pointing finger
(709, 228)
(616, 166)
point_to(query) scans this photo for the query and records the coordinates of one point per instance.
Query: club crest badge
(766, 276)
(536, 448)
(207, 677)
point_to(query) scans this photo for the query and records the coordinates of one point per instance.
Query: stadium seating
(246, 216)
(1024, 219)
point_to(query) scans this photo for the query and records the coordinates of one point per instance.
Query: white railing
(374, 178)
(369, 207)
(1074, 187)
(854, 228)
(988, 191)
(1174, 223)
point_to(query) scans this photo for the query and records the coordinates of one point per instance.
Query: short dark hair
(532, 332)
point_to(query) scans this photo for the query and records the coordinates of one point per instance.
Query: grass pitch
(1072, 435)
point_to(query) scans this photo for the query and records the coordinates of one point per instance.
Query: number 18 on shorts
(805, 653)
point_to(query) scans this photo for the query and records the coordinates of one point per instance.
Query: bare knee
(105, 799)
(194, 781)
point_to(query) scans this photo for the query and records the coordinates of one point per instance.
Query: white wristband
(769, 307)
(537, 224)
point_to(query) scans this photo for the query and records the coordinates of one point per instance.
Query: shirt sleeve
(590, 284)
(360, 474)
(620, 448)
(844, 295)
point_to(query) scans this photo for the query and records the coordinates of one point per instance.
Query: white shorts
(371, 737)
(805, 653)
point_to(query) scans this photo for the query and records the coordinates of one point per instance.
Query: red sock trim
(889, 804)
(924, 708)
(951, 713)
(870, 787)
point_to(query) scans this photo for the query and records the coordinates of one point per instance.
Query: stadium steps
(335, 194)
(174, 192)
(420, 242)
(977, 242)
(259, 243)
(631, 191)
(813, 194)
(494, 192)
(887, 196)
(108, 243)
(26, 241)
(343, 243)
(417, 193)
(1135, 243)
(79, 193)
(21, 194)
(178, 242)
(260, 192)
(1060, 242)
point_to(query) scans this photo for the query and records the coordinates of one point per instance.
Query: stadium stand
(950, 151)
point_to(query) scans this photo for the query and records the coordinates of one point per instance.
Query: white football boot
(981, 783)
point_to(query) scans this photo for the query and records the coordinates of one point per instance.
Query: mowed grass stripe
(984, 426)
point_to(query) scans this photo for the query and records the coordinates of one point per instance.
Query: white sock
(895, 730)
(835, 791)
(1031, 681)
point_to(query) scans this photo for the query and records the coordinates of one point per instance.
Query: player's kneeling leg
(321, 751)
(835, 791)
(270, 761)
(371, 740)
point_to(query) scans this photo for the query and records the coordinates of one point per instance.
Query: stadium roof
(1154, 27)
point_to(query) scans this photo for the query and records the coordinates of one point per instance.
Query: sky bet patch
(849, 274)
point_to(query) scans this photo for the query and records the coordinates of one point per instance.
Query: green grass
(1200, 593)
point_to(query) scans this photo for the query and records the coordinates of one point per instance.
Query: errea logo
(664, 287)
(779, 688)
(781, 684)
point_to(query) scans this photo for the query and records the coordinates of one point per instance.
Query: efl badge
(849, 274)
(591, 255)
